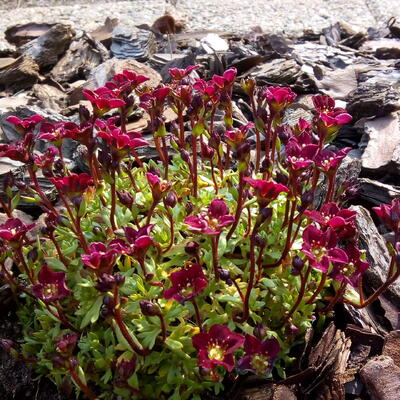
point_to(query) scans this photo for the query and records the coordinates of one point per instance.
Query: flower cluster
(167, 278)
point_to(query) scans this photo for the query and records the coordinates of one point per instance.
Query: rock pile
(52, 63)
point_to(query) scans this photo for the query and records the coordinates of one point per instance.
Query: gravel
(290, 16)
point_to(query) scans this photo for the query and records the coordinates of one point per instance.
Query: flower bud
(33, 254)
(171, 199)
(281, 178)
(126, 368)
(149, 309)
(259, 331)
(192, 248)
(119, 279)
(155, 171)
(265, 214)
(224, 274)
(298, 264)
(97, 230)
(185, 155)
(189, 207)
(106, 283)
(108, 301)
(259, 241)
(243, 150)
(84, 113)
(125, 198)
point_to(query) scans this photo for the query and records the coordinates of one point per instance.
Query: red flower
(341, 221)
(390, 214)
(236, 137)
(103, 99)
(13, 230)
(17, 151)
(212, 221)
(46, 160)
(320, 248)
(300, 152)
(56, 132)
(25, 124)
(73, 185)
(266, 190)
(328, 161)
(226, 80)
(159, 187)
(127, 80)
(121, 143)
(259, 356)
(216, 347)
(279, 98)
(99, 258)
(323, 104)
(51, 285)
(186, 283)
(351, 271)
(178, 73)
(138, 241)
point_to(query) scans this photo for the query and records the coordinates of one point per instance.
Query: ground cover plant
(171, 278)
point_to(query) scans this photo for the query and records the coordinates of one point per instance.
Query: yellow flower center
(349, 269)
(259, 363)
(216, 352)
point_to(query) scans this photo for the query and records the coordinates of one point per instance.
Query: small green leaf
(55, 264)
(93, 314)
(15, 201)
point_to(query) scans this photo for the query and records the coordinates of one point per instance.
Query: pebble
(237, 16)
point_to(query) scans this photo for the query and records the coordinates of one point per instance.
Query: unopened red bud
(97, 230)
(185, 155)
(33, 254)
(171, 199)
(259, 241)
(119, 279)
(281, 178)
(259, 331)
(298, 264)
(125, 198)
(149, 309)
(224, 274)
(192, 248)
(155, 171)
(189, 207)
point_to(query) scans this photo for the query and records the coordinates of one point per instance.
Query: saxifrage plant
(170, 278)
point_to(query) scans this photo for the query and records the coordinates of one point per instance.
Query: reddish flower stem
(166, 158)
(39, 191)
(25, 266)
(238, 289)
(171, 230)
(60, 316)
(337, 297)
(197, 313)
(76, 222)
(213, 177)
(85, 389)
(58, 249)
(194, 166)
(151, 210)
(124, 330)
(163, 328)
(239, 206)
(303, 285)
(113, 201)
(214, 248)
(181, 126)
(5, 208)
(250, 282)
(318, 290)
(258, 137)
(248, 230)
